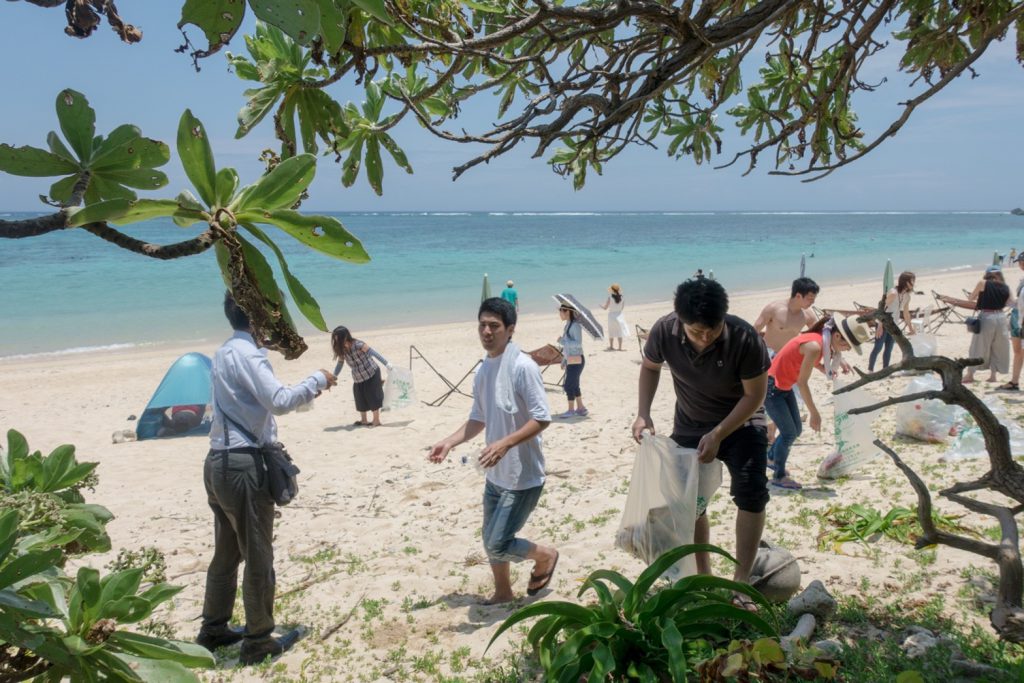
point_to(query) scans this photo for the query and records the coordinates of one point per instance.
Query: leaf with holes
(300, 295)
(323, 233)
(34, 162)
(299, 19)
(77, 121)
(196, 156)
(218, 19)
(280, 188)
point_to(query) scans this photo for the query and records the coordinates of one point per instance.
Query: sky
(960, 151)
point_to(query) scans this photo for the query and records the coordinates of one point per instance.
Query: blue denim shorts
(505, 513)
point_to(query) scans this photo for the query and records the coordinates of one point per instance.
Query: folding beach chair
(641, 336)
(946, 309)
(453, 388)
(545, 357)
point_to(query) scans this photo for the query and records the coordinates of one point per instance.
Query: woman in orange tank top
(792, 367)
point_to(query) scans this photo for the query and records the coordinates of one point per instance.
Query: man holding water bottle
(511, 408)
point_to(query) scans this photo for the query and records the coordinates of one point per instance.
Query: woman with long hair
(573, 362)
(367, 385)
(791, 367)
(897, 303)
(992, 342)
(617, 327)
(1016, 333)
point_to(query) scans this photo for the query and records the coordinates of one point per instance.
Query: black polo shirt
(708, 384)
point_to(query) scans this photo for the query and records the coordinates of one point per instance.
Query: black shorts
(745, 454)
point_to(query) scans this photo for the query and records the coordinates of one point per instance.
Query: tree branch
(164, 252)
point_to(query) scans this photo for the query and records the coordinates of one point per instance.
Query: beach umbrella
(584, 317)
(486, 292)
(803, 264)
(888, 281)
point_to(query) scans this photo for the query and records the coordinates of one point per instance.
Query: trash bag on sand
(399, 391)
(926, 420)
(924, 344)
(969, 443)
(854, 435)
(668, 490)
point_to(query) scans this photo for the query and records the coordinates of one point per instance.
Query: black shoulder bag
(281, 472)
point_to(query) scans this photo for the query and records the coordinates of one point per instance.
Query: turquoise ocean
(69, 292)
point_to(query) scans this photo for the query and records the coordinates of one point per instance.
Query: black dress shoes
(255, 651)
(212, 637)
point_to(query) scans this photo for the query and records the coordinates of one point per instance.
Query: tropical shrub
(53, 626)
(633, 633)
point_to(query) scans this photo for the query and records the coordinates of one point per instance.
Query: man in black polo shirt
(719, 370)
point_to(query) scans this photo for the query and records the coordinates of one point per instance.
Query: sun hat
(509, 283)
(854, 332)
(615, 288)
(993, 269)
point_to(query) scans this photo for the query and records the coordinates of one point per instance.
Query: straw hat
(509, 283)
(615, 288)
(855, 333)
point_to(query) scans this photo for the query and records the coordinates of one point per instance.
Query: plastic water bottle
(474, 460)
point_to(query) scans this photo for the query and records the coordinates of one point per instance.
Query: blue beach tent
(186, 383)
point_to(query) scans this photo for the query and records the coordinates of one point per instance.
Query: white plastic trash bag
(399, 391)
(923, 344)
(854, 436)
(969, 443)
(669, 488)
(925, 420)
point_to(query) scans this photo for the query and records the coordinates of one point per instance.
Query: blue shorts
(505, 513)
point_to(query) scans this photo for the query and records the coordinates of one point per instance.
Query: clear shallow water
(70, 291)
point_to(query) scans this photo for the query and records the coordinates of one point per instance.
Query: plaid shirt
(362, 365)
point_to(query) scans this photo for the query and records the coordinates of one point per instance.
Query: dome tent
(186, 383)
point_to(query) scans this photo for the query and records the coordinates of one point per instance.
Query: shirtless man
(782, 320)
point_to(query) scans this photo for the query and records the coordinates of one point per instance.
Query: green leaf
(8, 532)
(646, 579)
(396, 152)
(138, 152)
(572, 611)
(374, 168)
(300, 19)
(28, 564)
(226, 185)
(140, 178)
(196, 156)
(77, 121)
(332, 26)
(88, 585)
(673, 642)
(128, 667)
(121, 584)
(300, 295)
(187, 654)
(34, 162)
(280, 188)
(261, 270)
(376, 9)
(261, 101)
(32, 609)
(218, 19)
(323, 233)
(350, 170)
(146, 209)
(99, 212)
(58, 147)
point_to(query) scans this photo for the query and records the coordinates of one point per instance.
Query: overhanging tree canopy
(579, 81)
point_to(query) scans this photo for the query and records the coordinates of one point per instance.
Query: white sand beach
(379, 530)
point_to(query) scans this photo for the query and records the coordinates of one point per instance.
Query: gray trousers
(992, 344)
(243, 527)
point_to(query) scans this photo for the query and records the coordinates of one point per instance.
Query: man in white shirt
(510, 404)
(246, 396)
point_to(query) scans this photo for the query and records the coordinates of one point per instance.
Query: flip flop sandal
(360, 423)
(744, 602)
(1009, 386)
(786, 483)
(544, 578)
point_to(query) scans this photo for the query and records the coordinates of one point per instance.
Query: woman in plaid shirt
(367, 387)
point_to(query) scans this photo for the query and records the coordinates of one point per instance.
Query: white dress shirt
(245, 388)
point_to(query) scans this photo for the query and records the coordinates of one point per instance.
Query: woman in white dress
(617, 327)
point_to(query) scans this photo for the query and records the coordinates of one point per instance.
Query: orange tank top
(786, 364)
